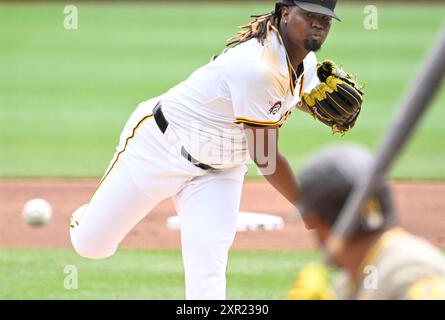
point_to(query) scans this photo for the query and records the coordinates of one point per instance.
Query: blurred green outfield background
(65, 95)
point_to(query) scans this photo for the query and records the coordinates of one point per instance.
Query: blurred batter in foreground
(381, 261)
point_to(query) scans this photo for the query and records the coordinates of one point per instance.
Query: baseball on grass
(37, 212)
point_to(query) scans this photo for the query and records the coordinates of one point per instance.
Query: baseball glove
(337, 100)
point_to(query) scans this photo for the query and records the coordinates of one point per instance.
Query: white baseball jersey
(250, 83)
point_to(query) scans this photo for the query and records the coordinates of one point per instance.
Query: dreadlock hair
(258, 28)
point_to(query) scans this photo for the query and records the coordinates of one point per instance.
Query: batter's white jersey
(250, 83)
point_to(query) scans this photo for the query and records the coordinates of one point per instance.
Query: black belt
(163, 124)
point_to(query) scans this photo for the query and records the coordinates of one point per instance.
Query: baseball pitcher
(192, 142)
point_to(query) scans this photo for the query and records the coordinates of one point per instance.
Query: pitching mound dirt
(421, 207)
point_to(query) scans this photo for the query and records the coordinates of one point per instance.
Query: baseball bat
(413, 106)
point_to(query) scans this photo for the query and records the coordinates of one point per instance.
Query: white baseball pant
(146, 169)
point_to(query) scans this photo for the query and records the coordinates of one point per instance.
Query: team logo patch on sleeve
(276, 108)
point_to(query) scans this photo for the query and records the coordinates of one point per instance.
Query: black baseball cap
(325, 7)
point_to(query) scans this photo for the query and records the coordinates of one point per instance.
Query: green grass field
(65, 95)
(139, 274)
